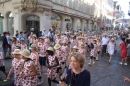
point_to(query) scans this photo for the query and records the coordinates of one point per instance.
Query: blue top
(81, 79)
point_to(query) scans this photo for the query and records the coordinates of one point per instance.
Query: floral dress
(93, 51)
(59, 56)
(1, 59)
(58, 41)
(13, 47)
(23, 46)
(81, 51)
(47, 43)
(65, 53)
(33, 57)
(99, 46)
(17, 65)
(66, 39)
(30, 80)
(51, 72)
(73, 43)
(34, 41)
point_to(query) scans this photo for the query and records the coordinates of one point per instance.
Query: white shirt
(8, 40)
(43, 33)
(105, 40)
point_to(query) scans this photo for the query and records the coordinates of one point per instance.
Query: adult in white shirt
(105, 40)
(43, 33)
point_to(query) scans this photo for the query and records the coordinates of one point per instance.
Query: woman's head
(14, 38)
(75, 49)
(42, 39)
(123, 39)
(22, 40)
(33, 47)
(76, 60)
(50, 51)
(16, 53)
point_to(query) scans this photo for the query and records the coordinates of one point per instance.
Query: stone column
(17, 22)
(46, 21)
(74, 24)
(63, 24)
(89, 25)
(82, 25)
(5, 24)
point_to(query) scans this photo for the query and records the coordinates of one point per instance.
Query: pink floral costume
(81, 51)
(39, 44)
(66, 39)
(65, 53)
(23, 46)
(51, 72)
(13, 47)
(59, 56)
(99, 46)
(33, 57)
(43, 50)
(2, 59)
(17, 65)
(30, 80)
(58, 41)
(73, 43)
(47, 42)
(94, 51)
(34, 41)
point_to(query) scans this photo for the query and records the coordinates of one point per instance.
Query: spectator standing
(5, 43)
(20, 36)
(105, 40)
(43, 33)
(9, 40)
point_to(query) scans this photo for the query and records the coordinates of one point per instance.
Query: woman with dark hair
(123, 47)
(52, 63)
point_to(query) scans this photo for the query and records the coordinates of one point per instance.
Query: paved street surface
(102, 73)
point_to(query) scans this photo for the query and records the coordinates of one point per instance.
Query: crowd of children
(27, 67)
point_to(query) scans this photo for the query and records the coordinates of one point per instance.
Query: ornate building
(44, 14)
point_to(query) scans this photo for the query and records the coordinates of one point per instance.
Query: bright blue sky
(124, 5)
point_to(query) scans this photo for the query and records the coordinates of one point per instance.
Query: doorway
(33, 21)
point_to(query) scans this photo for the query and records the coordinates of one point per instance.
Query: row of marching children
(27, 66)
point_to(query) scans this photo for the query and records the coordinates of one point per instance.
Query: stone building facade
(22, 15)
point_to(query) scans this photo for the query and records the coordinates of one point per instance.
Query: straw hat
(25, 53)
(34, 35)
(46, 36)
(33, 46)
(14, 36)
(64, 41)
(50, 49)
(58, 34)
(16, 51)
(82, 45)
(22, 39)
(57, 46)
(42, 38)
(18, 45)
(75, 47)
